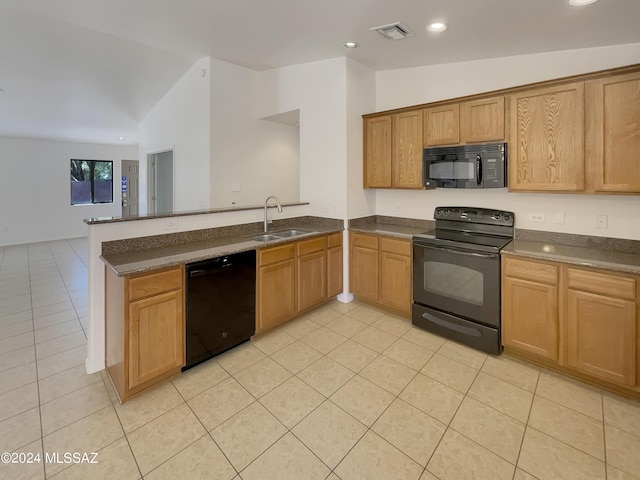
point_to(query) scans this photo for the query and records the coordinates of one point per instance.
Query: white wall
(361, 92)
(318, 90)
(405, 87)
(261, 157)
(181, 121)
(35, 191)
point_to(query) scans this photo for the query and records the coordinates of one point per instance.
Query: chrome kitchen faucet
(266, 222)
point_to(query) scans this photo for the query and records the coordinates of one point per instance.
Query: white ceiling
(89, 70)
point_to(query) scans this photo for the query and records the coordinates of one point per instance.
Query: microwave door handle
(478, 170)
(456, 251)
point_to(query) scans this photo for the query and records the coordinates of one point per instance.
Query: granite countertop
(139, 261)
(388, 230)
(575, 255)
(390, 226)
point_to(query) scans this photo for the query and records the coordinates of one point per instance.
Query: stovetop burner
(470, 228)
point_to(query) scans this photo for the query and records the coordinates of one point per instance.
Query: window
(91, 182)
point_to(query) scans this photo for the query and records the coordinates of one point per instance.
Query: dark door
(130, 188)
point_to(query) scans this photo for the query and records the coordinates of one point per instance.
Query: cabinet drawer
(276, 254)
(528, 270)
(366, 241)
(334, 240)
(401, 247)
(614, 286)
(155, 283)
(310, 246)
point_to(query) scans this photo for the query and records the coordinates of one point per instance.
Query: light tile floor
(346, 392)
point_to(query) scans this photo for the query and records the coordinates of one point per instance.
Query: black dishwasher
(221, 305)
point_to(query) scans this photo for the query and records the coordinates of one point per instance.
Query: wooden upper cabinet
(442, 125)
(546, 148)
(613, 133)
(406, 162)
(482, 120)
(377, 153)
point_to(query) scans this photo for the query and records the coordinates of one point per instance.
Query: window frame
(91, 181)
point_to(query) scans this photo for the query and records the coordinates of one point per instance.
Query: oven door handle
(457, 251)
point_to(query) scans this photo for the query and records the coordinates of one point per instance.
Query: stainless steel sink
(294, 232)
(265, 237)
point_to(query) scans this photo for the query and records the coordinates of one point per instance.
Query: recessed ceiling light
(350, 45)
(579, 3)
(120, 138)
(437, 27)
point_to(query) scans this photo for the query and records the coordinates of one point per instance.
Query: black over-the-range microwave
(466, 166)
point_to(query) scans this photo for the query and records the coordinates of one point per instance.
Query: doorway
(129, 190)
(160, 165)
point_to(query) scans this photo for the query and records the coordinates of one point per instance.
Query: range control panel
(475, 215)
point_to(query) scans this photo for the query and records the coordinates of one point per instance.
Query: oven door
(457, 281)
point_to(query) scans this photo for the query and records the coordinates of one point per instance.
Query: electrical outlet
(536, 217)
(171, 224)
(602, 221)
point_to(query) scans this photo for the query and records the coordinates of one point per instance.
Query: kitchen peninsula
(142, 233)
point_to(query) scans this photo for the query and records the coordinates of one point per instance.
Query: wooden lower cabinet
(144, 329)
(334, 265)
(364, 272)
(530, 317)
(381, 271)
(530, 307)
(156, 331)
(584, 323)
(311, 273)
(296, 277)
(395, 274)
(601, 329)
(276, 288)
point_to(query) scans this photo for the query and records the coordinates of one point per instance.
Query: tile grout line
(454, 414)
(68, 293)
(44, 466)
(104, 381)
(208, 433)
(526, 425)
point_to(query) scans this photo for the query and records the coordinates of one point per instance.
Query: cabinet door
(364, 272)
(312, 280)
(377, 152)
(395, 281)
(156, 337)
(276, 294)
(334, 271)
(482, 120)
(546, 149)
(407, 150)
(613, 133)
(530, 317)
(601, 336)
(442, 125)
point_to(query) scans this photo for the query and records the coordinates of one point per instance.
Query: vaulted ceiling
(90, 70)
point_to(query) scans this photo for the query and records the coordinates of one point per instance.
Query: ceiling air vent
(393, 31)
